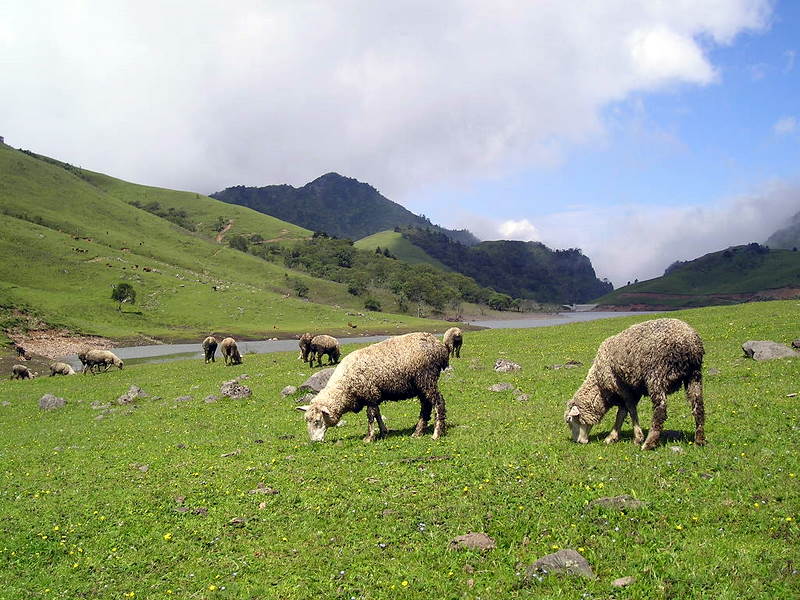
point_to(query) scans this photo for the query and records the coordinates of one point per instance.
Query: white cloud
(785, 126)
(202, 95)
(519, 230)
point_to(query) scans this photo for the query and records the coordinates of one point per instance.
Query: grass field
(170, 498)
(399, 247)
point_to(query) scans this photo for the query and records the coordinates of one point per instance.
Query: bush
(372, 304)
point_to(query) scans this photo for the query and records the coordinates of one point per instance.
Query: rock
(472, 541)
(317, 381)
(503, 365)
(570, 364)
(132, 395)
(500, 387)
(236, 452)
(714, 371)
(306, 399)
(51, 402)
(792, 395)
(211, 398)
(522, 397)
(767, 350)
(261, 488)
(235, 390)
(288, 390)
(623, 581)
(623, 502)
(564, 562)
(676, 449)
(183, 399)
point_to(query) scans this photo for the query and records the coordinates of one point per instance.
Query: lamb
(305, 346)
(230, 352)
(398, 368)
(60, 368)
(22, 372)
(323, 345)
(654, 358)
(100, 358)
(452, 340)
(209, 348)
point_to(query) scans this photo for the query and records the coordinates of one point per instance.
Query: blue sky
(642, 132)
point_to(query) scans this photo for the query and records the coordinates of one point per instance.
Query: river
(168, 352)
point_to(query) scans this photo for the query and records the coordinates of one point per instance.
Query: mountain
(788, 237)
(398, 246)
(337, 205)
(736, 274)
(520, 269)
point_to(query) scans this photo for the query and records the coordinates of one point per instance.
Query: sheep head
(318, 419)
(580, 431)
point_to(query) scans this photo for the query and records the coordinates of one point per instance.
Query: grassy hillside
(66, 241)
(228, 500)
(737, 274)
(399, 247)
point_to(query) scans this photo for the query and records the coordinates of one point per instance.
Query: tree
(239, 242)
(122, 293)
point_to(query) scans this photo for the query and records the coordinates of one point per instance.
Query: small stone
(500, 387)
(623, 581)
(200, 511)
(676, 449)
(792, 395)
(472, 541)
(306, 399)
(183, 399)
(288, 390)
(262, 488)
(714, 371)
(565, 562)
(180, 499)
(503, 365)
(236, 522)
(210, 399)
(5, 403)
(180, 446)
(236, 452)
(51, 402)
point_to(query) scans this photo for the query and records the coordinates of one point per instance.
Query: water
(168, 352)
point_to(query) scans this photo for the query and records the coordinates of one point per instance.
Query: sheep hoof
(369, 439)
(611, 439)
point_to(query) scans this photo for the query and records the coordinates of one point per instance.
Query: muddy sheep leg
(659, 416)
(613, 436)
(425, 409)
(373, 414)
(694, 392)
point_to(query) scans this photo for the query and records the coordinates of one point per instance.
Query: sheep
(654, 358)
(100, 358)
(210, 348)
(21, 352)
(452, 340)
(60, 368)
(230, 352)
(305, 346)
(398, 368)
(323, 344)
(22, 372)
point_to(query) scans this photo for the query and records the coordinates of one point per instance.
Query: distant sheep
(453, 338)
(654, 358)
(21, 352)
(60, 368)
(22, 372)
(323, 345)
(100, 358)
(210, 348)
(305, 346)
(230, 352)
(398, 368)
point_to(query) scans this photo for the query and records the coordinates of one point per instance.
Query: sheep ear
(325, 410)
(304, 408)
(574, 412)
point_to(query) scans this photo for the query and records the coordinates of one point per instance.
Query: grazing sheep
(209, 348)
(395, 369)
(323, 345)
(453, 339)
(22, 372)
(21, 352)
(230, 352)
(654, 358)
(305, 346)
(100, 358)
(60, 368)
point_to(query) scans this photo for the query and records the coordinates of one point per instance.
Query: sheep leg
(638, 434)
(458, 351)
(373, 414)
(659, 416)
(425, 409)
(694, 392)
(438, 429)
(614, 435)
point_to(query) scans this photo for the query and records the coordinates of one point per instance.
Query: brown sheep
(209, 348)
(398, 368)
(305, 346)
(654, 358)
(230, 352)
(22, 372)
(453, 338)
(324, 345)
(100, 358)
(60, 368)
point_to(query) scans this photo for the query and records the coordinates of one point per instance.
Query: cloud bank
(201, 95)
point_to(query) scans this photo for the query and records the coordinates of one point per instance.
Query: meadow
(227, 499)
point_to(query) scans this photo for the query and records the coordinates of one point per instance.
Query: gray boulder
(767, 350)
(503, 365)
(235, 390)
(473, 541)
(500, 387)
(563, 562)
(288, 391)
(51, 402)
(317, 381)
(132, 395)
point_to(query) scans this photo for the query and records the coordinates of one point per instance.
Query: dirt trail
(222, 233)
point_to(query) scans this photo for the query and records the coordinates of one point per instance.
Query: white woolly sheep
(305, 346)
(230, 352)
(60, 368)
(100, 358)
(209, 348)
(453, 338)
(22, 372)
(324, 345)
(654, 358)
(395, 369)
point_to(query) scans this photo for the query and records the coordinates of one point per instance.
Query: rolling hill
(737, 274)
(787, 237)
(69, 235)
(399, 247)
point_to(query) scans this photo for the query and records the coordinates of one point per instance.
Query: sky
(642, 132)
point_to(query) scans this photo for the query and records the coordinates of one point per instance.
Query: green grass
(399, 247)
(67, 240)
(84, 518)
